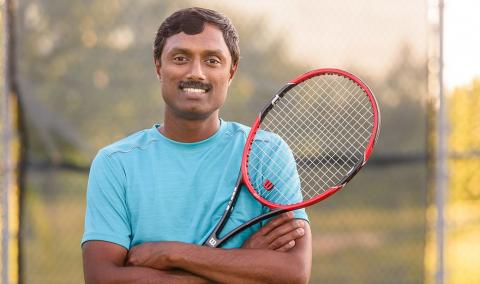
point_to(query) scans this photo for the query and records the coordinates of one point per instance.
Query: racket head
(310, 139)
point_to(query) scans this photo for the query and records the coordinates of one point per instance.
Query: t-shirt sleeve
(284, 176)
(276, 178)
(106, 217)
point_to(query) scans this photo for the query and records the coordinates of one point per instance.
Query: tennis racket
(330, 121)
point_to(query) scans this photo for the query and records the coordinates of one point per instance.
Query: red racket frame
(279, 95)
(214, 240)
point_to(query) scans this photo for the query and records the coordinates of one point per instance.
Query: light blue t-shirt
(147, 187)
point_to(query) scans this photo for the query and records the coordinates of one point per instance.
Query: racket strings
(327, 122)
(273, 175)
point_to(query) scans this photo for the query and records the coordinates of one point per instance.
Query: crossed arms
(280, 252)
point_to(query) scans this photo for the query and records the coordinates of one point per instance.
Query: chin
(196, 115)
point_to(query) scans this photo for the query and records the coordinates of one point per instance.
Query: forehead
(211, 38)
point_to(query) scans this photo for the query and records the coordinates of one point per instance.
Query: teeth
(193, 90)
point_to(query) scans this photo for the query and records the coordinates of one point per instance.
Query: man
(154, 197)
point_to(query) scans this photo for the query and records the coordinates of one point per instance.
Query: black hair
(192, 21)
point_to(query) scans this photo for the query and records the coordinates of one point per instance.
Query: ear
(157, 68)
(233, 70)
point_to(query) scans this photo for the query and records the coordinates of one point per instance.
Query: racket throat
(213, 240)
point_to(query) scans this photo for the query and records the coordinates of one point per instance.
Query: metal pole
(7, 159)
(441, 176)
(14, 153)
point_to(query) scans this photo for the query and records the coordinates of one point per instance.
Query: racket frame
(214, 240)
(278, 96)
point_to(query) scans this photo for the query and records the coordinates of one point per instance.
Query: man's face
(195, 72)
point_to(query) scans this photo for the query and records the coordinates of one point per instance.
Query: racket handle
(212, 242)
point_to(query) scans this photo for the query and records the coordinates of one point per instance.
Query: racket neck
(221, 241)
(213, 240)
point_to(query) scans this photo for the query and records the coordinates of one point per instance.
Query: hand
(158, 255)
(279, 234)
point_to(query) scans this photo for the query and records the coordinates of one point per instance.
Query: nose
(196, 71)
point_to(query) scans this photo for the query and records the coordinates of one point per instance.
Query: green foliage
(402, 93)
(100, 73)
(464, 140)
(464, 193)
(464, 103)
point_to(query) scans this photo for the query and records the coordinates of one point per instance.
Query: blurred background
(78, 75)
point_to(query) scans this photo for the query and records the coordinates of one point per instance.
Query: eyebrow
(188, 51)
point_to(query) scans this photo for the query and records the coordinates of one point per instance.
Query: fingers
(286, 230)
(278, 234)
(274, 223)
(132, 257)
(281, 232)
(287, 246)
(287, 234)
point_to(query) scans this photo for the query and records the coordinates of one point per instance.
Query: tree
(463, 204)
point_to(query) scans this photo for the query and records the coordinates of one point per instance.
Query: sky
(371, 33)
(368, 35)
(461, 42)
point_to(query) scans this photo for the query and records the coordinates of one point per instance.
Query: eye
(212, 61)
(180, 59)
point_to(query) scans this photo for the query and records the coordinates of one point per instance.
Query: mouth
(194, 87)
(193, 90)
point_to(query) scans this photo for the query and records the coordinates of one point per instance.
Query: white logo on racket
(212, 241)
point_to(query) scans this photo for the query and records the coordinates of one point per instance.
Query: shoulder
(261, 135)
(267, 136)
(234, 128)
(111, 160)
(273, 140)
(139, 140)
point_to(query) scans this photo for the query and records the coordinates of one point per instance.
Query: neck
(188, 131)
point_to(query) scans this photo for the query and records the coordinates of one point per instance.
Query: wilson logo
(268, 185)
(212, 242)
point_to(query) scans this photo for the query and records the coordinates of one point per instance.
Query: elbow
(300, 277)
(98, 279)
(95, 278)
(103, 274)
(295, 278)
(91, 279)
(301, 270)
(297, 273)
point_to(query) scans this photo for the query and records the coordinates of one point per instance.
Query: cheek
(222, 83)
(168, 81)
(169, 73)
(221, 93)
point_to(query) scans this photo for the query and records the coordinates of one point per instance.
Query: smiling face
(195, 72)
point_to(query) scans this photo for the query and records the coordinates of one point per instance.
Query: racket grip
(212, 242)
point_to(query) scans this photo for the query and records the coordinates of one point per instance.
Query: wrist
(177, 254)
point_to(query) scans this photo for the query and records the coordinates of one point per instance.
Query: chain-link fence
(87, 78)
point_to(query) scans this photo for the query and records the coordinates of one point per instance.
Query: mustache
(195, 84)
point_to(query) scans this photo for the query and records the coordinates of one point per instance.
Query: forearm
(131, 274)
(243, 265)
(104, 262)
(246, 265)
(228, 265)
